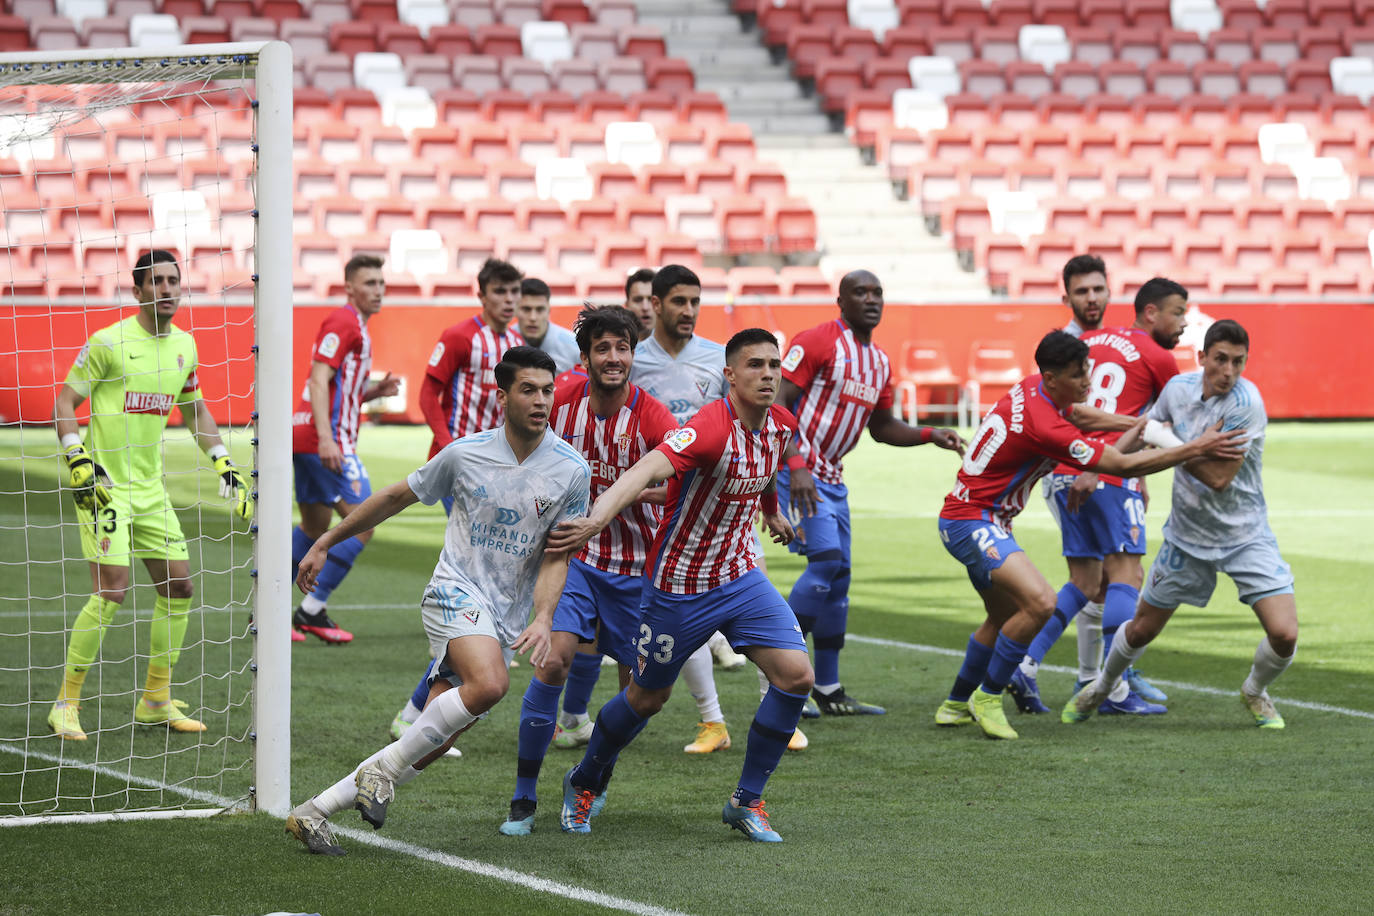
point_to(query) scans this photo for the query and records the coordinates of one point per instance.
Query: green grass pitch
(1194, 811)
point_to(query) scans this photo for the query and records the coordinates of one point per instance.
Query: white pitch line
(1060, 669)
(484, 869)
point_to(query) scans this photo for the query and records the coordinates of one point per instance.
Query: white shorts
(448, 613)
(1177, 577)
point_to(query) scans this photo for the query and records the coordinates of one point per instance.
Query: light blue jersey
(1207, 523)
(561, 344)
(686, 383)
(502, 513)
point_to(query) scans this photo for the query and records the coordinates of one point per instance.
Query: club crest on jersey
(793, 358)
(357, 486)
(992, 553)
(1135, 533)
(703, 387)
(181, 362)
(510, 516)
(472, 614)
(681, 438)
(1080, 451)
(541, 505)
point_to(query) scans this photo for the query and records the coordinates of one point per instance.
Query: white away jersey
(561, 344)
(502, 513)
(685, 384)
(1205, 522)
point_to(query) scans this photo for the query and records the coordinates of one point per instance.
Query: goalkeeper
(133, 372)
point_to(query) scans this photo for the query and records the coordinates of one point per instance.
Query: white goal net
(106, 155)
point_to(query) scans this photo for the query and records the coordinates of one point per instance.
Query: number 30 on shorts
(664, 655)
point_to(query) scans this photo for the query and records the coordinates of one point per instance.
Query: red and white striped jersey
(705, 539)
(464, 362)
(842, 381)
(344, 344)
(612, 445)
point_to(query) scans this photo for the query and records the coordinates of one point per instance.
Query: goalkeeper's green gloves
(88, 480)
(233, 486)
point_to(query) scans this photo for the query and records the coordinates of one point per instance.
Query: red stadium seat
(573, 252)
(568, 11)
(513, 180)
(593, 216)
(497, 40)
(1137, 46)
(711, 178)
(477, 73)
(793, 222)
(1355, 215)
(669, 74)
(542, 217)
(1238, 282)
(762, 179)
(1149, 14)
(1065, 215)
(1241, 14)
(517, 12)
(613, 180)
(1152, 251)
(744, 223)
(1286, 14)
(641, 41)
(776, 20)
(1012, 110)
(1129, 179)
(831, 13)
(1215, 77)
(1092, 143)
(1339, 282)
(400, 38)
(1028, 79)
(1113, 214)
(885, 75)
(600, 285)
(1262, 77)
(1249, 251)
(963, 216)
(798, 281)
(1077, 78)
(997, 253)
(450, 40)
(1347, 250)
(952, 41)
(433, 72)
(525, 76)
(1011, 14)
(1034, 282)
(836, 78)
(993, 367)
(483, 141)
(1260, 216)
(1198, 250)
(1297, 250)
(1179, 180)
(601, 108)
(664, 179)
(753, 281)
(654, 106)
(996, 45)
(1169, 77)
(593, 41)
(642, 214)
(353, 37)
(701, 108)
(1214, 215)
(553, 108)
(905, 42)
(613, 12)
(1334, 13)
(580, 140)
(807, 44)
(674, 248)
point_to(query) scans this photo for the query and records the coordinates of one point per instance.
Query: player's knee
(485, 692)
(180, 588)
(645, 702)
(113, 593)
(824, 569)
(1284, 639)
(1042, 607)
(554, 671)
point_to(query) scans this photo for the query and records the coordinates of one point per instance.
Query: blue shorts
(749, 611)
(317, 484)
(981, 546)
(1177, 577)
(825, 534)
(1111, 520)
(593, 595)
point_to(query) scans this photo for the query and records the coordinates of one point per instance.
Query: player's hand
(569, 536)
(331, 456)
(310, 567)
(1223, 445)
(1083, 486)
(388, 386)
(536, 640)
(948, 438)
(801, 494)
(1133, 439)
(88, 480)
(233, 485)
(779, 528)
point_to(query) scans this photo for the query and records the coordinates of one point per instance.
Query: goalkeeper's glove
(233, 486)
(88, 480)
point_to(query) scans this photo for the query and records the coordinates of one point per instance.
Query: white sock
(1122, 656)
(1089, 631)
(410, 713)
(697, 674)
(1268, 666)
(827, 689)
(572, 720)
(311, 605)
(763, 682)
(441, 720)
(716, 641)
(1029, 666)
(340, 795)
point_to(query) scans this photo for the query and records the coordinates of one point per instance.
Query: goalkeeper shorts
(137, 522)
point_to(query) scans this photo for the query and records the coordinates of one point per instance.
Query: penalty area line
(1061, 669)
(443, 859)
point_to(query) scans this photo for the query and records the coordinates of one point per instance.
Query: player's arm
(548, 587)
(321, 374)
(382, 388)
(1215, 472)
(1095, 420)
(887, 429)
(801, 490)
(649, 471)
(89, 481)
(1214, 443)
(374, 510)
(789, 394)
(778, 525)
(203, 428)
(431, 393)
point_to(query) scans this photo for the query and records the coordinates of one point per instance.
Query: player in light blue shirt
(532, 316)
(510, 486)
(1219, 523)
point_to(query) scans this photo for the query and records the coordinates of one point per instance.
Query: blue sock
(616, 726)
(581, 679)
(1006, 655)
(772, 728)
(828, 636)
(1117, 611)
(336, 566)
(971, 673)
(1066, 607)
(537, 712)
(300, 546)
(820, 599)
(421, 692)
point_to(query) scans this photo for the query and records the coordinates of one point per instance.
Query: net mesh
(100, 161)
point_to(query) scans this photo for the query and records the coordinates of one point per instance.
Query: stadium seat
(793, 223)
(378, 72)
(1077, 78)
(634, 143)
(1066, 215)
(497, 40)
(1035, 282)
(711, 178)
(753, 281)
(518, 13)
(665, 179)
(641, 214)
(431, 72)
(804, 281)
(694, 215)
(400, 38)
(993, 370)
(565, 180)
(601, 284)
(512, 180)
(982, 78)
(1338, 282)
(525, 76)
(601, 108)
(1355, 215)
(674, 248)
(625, 76)
(546, 42)
(937, 75)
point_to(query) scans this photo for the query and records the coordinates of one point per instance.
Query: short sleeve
(436, 479)
(90, 366)
(577, 497)
(452, 350)
(1160, 409)
(1067, 443)
(805, 358)
(190, 389)
(655, 423)
(1247, 414)
(697, 444)
(333, 343)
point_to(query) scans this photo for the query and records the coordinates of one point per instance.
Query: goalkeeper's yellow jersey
(133, 380)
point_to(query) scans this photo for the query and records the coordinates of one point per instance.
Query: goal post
(214, 185)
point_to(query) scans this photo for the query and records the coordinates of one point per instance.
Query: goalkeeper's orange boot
(320, 625)
(168, 713)
(65, 721)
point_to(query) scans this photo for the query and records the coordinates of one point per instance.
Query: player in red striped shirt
(613, 424)
(1032, 428)
(721, 469)
(329, 474)
(458, 397)
(838, 382)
